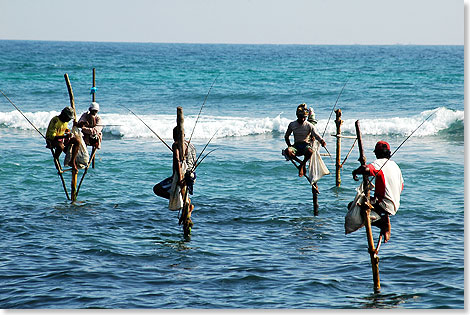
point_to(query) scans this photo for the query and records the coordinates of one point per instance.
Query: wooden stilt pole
(315, 199)
(185, 218)
(366, 207)
(72, 104)
(93, 152)
(93, 99)
(315, 190)
(338, 122)
(60, 171)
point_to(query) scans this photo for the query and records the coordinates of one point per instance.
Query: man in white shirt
(388, 186)
(304, 133)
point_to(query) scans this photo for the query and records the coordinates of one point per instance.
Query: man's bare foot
(302, 170)
(73, 165)
(385, 230)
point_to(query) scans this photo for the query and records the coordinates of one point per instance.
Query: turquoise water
(255, 241)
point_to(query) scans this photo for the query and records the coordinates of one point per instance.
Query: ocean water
(255, 241)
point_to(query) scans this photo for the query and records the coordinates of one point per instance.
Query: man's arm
(287, 136)
(363, 169)
(317, 136)
(177, 164)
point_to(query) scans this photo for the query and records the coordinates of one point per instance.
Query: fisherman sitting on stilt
(388, 186)
(57, 138)
(304, 133)
(183, 172)
(90, 123)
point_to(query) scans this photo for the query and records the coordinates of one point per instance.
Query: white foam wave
(129, 126)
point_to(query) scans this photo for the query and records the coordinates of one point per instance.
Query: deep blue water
(255, 242)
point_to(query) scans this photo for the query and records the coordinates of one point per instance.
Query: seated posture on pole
(388, 186)
(90, 123)
(304, 135)
(184, 172)
(58, 137)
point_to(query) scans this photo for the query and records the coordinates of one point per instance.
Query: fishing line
(205, 99)
(148, 127)
(331, 113)
(22, 114)
(195, 163)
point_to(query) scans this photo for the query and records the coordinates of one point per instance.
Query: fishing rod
(205, 99)
(370, 180)
(331, 113)
(148, 127)
(195, 163)
(56, 161)
(22, 114)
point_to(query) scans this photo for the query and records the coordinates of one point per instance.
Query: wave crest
(128, 126)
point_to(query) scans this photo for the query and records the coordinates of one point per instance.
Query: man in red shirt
(388, 186)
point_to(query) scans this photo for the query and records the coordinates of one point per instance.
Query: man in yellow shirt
(59, 137)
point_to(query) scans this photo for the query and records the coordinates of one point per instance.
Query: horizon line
(228, 43)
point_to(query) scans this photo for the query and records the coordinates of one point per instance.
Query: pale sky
(421, 22)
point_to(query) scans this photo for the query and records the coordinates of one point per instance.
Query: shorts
(190, 178)
(55, 142)
(300, 148)
(166, 183)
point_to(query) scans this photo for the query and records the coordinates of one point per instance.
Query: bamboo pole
(185, 218)
(60, 171)
(338, 122)
(341, 136)
(93, 85)
(315, 190)
(315, 198)
(366, 207)
(72, 104)
(93, 99)
(93, 152)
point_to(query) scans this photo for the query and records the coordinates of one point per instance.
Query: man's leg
(162, 189)
(386, 228)
(383, 223)
(59, 148)
(74, 142)
(291, 155)
(302, 168)
(159, 191)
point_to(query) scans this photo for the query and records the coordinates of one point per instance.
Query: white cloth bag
(82, 157)
(316, 168)
(353, 220)
(176, 198)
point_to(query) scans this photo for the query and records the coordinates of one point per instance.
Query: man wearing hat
(90, 123)
(59, 137)
(304, 133)
(388, 186)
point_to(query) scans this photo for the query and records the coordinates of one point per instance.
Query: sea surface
(255, 242)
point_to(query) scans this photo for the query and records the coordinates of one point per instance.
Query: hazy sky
(237, 21)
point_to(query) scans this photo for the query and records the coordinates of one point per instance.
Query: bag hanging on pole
(82, 157)
(316, 168)
(354, 220)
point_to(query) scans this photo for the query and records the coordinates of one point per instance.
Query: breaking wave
(128, 126)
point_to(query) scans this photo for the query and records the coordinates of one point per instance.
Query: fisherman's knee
(290, 152)
(75, 140)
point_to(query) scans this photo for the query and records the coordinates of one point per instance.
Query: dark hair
(385, 153)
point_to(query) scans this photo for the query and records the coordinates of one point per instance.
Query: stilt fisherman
(388, 186)
(304, 133)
